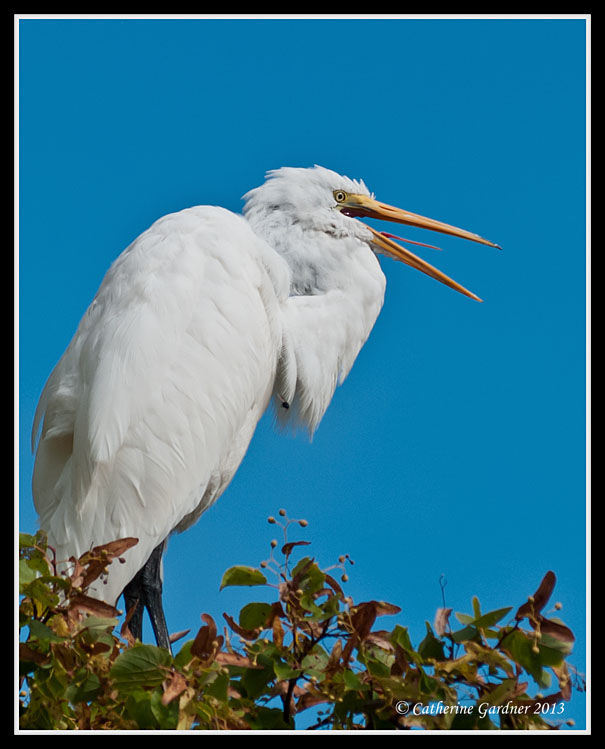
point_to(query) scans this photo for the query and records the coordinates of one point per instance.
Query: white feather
(149, 412)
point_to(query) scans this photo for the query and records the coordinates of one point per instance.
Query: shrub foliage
(312, 658)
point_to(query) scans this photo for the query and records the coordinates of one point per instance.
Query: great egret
(197, 325)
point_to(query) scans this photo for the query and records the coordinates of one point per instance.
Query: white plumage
(196, 326)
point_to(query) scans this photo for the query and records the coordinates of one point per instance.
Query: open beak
(362, 206)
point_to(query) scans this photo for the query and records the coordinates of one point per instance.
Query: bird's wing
(162, 385)
(322, 336)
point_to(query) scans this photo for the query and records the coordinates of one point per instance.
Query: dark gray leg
(145, 590)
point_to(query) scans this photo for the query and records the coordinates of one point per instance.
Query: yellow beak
(358, 206)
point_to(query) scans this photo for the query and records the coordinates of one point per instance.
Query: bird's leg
(152, 586)
(134, 596)
(145, 589)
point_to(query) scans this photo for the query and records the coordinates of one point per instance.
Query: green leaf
(501, 693)
(26, 541)
(166, 716)
(255, 680)
(377, 660)
(315, 662)
(268, 719)
(301, 565)
(183, 657)
(283, 670)
(217, 686)
(351, 680)
(331, 607)
(476, 607)
(552, 643)
(55, 684)
(97, 630)
(254, 615)
(401, 637)
(465, 634)
(427, 684)
(98, 624)
(431, 646)
(86, 690)
(464, 721)
(242, 576)
(39, 592)
(138, 709)
(520, 648)
(140, 666)
(550, 656)
(312, 580)
(42, 632)
(38, 562)
(26, 574)
(308, 603)
(488, 620)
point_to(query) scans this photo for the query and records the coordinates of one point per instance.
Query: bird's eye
(340, 196)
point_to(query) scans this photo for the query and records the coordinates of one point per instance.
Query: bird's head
(325, 200)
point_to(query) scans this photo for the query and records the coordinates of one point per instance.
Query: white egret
(202, 321)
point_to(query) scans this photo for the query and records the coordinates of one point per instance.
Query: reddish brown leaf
(115, 548)
(211, 625)
(125, 628)
(401, 662)
(27, 654)
(77, 572)
(234, 659)
(94, 569)
(334, 585)
(540, 597)
(206, 642)
(130, 612)
(380, 638)
(173, 686)
(284, 591)
(65, 655)
(333, 664)
(310, 700)
(314, 629)
(84, 719)
(441, 623)
(336, 652)
(93, 606)
(176, 636)
(287, 548)
(386, 609)
(283, 687)
(277, 612)
(96, 648)
(247, 634)
(205, 646)
(92, 564)
(556, 629)
(278, 632)
(362, 619)
(521, 688)
(202, 645)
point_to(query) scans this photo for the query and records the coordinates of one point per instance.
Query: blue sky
(457, 444)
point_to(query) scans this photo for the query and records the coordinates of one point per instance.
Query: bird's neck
(336, 293)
